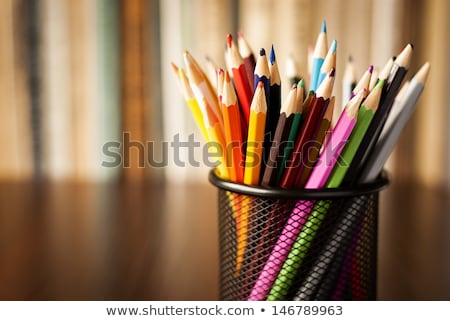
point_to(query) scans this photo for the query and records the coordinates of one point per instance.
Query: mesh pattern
(283, 249)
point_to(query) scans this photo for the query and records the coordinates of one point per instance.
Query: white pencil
(394, 128)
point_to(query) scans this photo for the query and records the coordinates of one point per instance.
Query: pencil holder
(297, 244)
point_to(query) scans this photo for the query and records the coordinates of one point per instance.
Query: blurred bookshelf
(79, 74)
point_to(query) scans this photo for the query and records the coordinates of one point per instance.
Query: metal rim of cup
(297, 193)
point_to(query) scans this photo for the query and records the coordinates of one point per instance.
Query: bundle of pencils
(294, 144)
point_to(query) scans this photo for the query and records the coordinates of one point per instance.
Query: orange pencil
(233, 134)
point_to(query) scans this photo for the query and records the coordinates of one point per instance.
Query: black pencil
(396, 76)
(280, 139)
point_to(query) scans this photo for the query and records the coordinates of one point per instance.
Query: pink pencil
(299, 215)
(334, 146)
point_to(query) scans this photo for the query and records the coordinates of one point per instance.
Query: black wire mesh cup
(297, 244)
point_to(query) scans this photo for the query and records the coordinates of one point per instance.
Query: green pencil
(365, 116)
(295, 127)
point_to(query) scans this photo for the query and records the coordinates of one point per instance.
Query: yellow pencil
(253, 159)
(189, 97)
(255, 140)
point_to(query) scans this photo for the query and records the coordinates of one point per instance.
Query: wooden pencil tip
(174, 67)
(330, 109)
(301, 83)
(240, 34)
(404, 57)
(333, 46)
(260, 84)
(229, 40)
(226, 75)
(422, 75)
(262, 52)
(350, 58)
(371, 69)
(188, 59)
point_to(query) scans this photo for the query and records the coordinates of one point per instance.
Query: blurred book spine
(15, 137)
(132, 55)
(57, 121)
(109, 81)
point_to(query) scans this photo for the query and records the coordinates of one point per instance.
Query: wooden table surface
(74, 241)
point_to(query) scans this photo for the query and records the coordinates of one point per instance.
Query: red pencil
(313, 118)
(240, 77)
(248, 57)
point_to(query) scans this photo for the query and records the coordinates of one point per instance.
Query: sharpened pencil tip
(174, 67)
(229, 40)
(262, 52)
(240, 34)
(332, 72)
(324, 27)
(226, 75)
(333, 46)
(301, 83)
(272, 55)
(260, 84)
(371, 68)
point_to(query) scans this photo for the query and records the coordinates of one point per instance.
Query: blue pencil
(320, 51)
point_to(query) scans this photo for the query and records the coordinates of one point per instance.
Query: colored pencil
(328, 63)
(247, 55)
(203, 90)
(373, 79)
(316, 144)
(363, 82)
(295, 127)
(255, 140)
(396, 76)
(233, 133)
(220, 80)
(386, 71)
(397, 122)
(240, 78)
(320, 279)
(190, 100)
(365, 116)
(273, 111)
(301, 228)
(280, 138)
(253, 160)
(262, 73)
(320, 51)
(311, 121)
